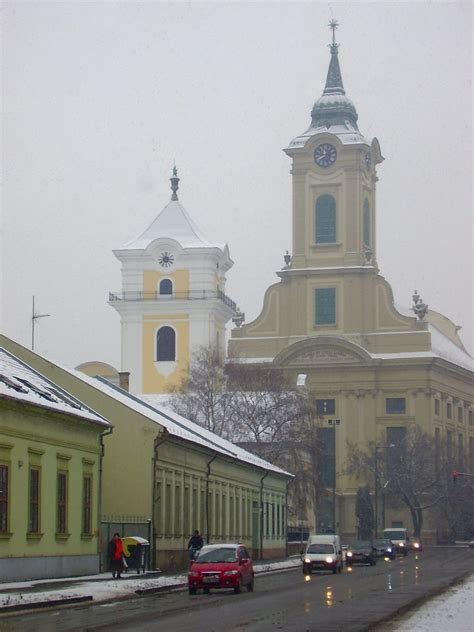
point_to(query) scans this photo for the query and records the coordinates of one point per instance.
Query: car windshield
(321, 548)
(214, 556)
(382, 543)
(394, 535)
(363, 544)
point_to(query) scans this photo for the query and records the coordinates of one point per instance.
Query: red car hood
(223, 566)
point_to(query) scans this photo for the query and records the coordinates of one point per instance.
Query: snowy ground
(452, 611)
(102, 587)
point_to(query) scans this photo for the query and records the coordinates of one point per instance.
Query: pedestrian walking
(195, 544)
(116, 560)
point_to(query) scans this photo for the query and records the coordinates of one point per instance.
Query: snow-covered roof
(176, 425)
(175, 223)
(20, 382)
(444, 348)
(346, 133)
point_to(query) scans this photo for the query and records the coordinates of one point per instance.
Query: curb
(44, 604)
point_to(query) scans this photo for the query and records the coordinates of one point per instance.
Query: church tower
(172, 300)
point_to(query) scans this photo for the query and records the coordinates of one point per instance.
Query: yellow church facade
(372, 370)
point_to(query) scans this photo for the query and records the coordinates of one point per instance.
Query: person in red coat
(116, 556)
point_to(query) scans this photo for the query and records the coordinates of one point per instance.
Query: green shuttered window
(325, 306)
(325, 219)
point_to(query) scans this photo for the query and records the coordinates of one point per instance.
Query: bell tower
(172, 298)
(334, 204)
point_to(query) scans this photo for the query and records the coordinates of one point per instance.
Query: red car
(221, 566)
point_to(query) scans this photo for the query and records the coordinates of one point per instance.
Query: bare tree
(413, 469)
(203, 396)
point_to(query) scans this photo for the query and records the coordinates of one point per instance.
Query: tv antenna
(34, 318)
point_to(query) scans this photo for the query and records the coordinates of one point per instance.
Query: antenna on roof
(34, 317)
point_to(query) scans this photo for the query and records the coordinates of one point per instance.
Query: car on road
(321, 556)
(221, 566)
(361, 552)
(399, 537)
(415, 545)
(384, 548)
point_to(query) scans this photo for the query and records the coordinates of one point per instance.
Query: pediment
(322, 350)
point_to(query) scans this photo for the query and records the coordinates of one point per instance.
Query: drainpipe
(207, 495)
(99, 492)
(267, 472)
(160, 438)
(288, 483)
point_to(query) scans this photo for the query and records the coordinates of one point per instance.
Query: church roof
(174, 222)
(333, 112)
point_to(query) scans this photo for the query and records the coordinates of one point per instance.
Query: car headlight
(417, 545)
(307, 560)
(349, 554)
(401, 544)
(389, 550)
(329, 560)
(193, 574)
(227, 573)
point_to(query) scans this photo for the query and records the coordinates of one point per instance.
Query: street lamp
(376, 483)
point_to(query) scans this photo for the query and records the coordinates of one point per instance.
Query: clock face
(368, 160)
(166, 259)
(325, 155)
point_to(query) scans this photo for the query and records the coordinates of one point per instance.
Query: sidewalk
(44, 593)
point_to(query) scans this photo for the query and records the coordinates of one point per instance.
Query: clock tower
(172, 299)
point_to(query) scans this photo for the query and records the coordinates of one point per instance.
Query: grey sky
(99, 99)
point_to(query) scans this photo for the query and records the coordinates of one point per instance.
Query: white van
(399, 538)
(323, 552)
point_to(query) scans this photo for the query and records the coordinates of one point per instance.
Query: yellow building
(50, 457)
(172, 299)
(331, 317)
(162, 468)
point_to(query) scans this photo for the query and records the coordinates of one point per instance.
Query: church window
(437, 407)
(166, 345)
(325, 219)
(325, 406)
(395, 405)
(166, 287)
(366, 223)
(449, 410)
(325, 308)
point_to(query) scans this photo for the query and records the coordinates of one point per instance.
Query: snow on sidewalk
(105, 590)
(451, 611)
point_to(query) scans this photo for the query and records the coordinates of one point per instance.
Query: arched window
(166, 286)
(165, 345)
(366, 223)
(325, 219)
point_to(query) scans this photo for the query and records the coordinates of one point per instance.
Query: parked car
(399, 537)
(221, 566)
(361, 552)
(384, 548)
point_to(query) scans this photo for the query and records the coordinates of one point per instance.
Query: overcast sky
(99, 100)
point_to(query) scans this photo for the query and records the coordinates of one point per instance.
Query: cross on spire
(333, 24)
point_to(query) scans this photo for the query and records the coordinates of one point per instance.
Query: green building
(50, 463)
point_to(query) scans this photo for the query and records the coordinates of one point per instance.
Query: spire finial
(333, 24)
(174, 183)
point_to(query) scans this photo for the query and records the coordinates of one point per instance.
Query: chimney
(124, 380)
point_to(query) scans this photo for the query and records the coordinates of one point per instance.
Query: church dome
(333, 109)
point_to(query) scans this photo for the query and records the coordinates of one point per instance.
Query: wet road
(288, 601)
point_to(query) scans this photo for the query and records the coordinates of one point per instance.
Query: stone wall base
(28, 568)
